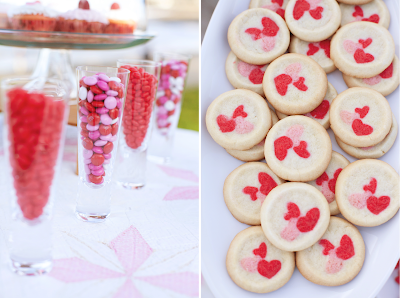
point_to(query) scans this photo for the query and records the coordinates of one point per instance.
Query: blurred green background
(190, 109)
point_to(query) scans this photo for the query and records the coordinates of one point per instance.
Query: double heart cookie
(336, 258)
(258, 36)
(360, 117)
(294, 216)
(238, 119)
(255, 264)
(385, 82)
(367, 192)
(277, 6)
(295, 84)
(313, 20)
(320, 113)
(355, 2)
(326, 183)
(245, 190)
(243, 75)
(375, 11)
(362, 49)
(297, 148)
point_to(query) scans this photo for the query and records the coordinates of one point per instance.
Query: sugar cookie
(375, 11)
(356, 2)
(277, 6)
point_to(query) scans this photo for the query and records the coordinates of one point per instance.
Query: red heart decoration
(270, 27)
(300, 84)
(358, 11)
(321, 111)
(239, 111)
(365, 43)
(300, 8)
(317, 13)
(332, 182)
(281, 12)
(301, 150)
(327, 245)
(293, 211)
(282, 145)
(312, 49)
(267, 183)
(254, 32)
(225, 125)
(361, 57)
(256, 76)
(387, 73)
(346, 249)
(322, 178)
(307, 223)
(269, 269)
(282, 82)
(371, 186)
(252, 191)
(374, 19)
(376, 205)
(261, 251)
(361, 129)
(326, 46)
(279, 2)
(362, 112)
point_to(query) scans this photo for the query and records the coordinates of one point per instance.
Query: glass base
(159, 159)
(130, 185)
(31, 269)
(91, 217)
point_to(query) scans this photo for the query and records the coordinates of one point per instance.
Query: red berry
(84, 4)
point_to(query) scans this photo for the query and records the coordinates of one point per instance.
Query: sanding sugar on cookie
(361, 117)
(376, 151)
(256, 265)
(321, 113)
(277, 6)
(313, 20)
(238, 119)
(375, 11)
(298, 148)
(336, 258)
(327, 181)
(355, 2)
(295, 84)
(320, 52)
(362, 49)
(294, 216)
(385, 82)
(245, 190)
(258, 36)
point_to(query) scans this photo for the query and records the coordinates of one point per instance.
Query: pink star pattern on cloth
(132, 251)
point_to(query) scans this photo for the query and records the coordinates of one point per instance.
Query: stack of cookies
(280, 111)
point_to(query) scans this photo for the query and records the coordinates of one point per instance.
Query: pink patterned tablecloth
(148, 247)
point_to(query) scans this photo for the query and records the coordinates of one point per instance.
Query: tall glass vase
(35, 116)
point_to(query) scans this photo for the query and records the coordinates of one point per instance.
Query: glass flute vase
(101, 95)
(36, 111)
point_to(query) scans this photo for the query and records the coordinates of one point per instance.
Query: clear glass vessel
(101, 95)
(36, 111)
(137, 120)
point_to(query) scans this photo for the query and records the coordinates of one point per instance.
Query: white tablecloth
(148, 247)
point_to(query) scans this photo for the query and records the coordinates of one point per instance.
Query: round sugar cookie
(313, 20)
(320, 52)
(277, 6)
(337, 258)
(355, 2)
(327, 181)
(361, 117)
(258, 36)
(295, 84)
(385, 82)
(238, 119)
(376, 151)
(297, 148)
(243, 75)
(256, 152)
(321, 113)
(362, 49)
(245, 190)
(294, 216)
(255, 265)
(375, 11)
(367, 192)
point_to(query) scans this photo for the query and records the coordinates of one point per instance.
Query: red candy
(114, 129)
(113, 113)
(113, 85)
(89, 107)
(96, 179)
(96, 90)
(108, 148)
(87, 143)
(98, 104)
(98, 159)
(93, 119)
(105, 129)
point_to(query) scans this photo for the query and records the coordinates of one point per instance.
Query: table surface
(148, 247)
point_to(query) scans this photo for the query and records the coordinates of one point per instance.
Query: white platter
(218, 225)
